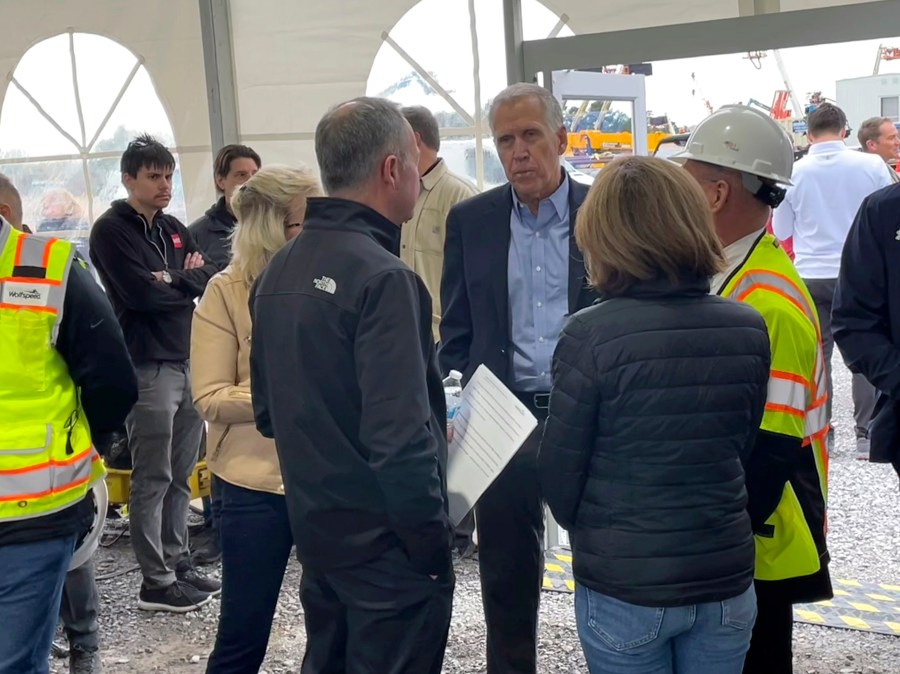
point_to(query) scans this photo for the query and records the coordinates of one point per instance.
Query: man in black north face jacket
(345, 378)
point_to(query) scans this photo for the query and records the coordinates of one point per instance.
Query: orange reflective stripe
(787, 394)
(41, 479)
(816, 421)
(784, 409)
(47, 492)
(20, 245)
(48, 310)
(47, 249)
(790, 291)
(34, 281)
(777, 291)
(47, 464)
(790, 376)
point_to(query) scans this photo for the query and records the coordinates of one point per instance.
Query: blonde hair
(645, 218)
(261, 206)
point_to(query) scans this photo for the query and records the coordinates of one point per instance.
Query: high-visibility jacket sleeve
(791, 389)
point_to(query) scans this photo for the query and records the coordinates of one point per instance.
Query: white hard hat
(88, 545)
(742, 139)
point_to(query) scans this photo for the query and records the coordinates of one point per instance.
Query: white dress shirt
(830, 183)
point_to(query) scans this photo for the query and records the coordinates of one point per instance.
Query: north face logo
(325, 284)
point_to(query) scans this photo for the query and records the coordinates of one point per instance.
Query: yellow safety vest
(797, 396)
(47, 460)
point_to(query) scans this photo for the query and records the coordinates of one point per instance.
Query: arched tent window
(449, 55)
(73, 103)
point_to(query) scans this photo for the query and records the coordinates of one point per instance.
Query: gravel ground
(864, 542)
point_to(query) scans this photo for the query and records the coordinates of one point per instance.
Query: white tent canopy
(262, 72)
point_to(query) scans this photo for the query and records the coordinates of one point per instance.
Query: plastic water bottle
(453, 396)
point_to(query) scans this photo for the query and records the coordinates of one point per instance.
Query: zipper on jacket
(69, 425)
(218, 449)
(162, 253)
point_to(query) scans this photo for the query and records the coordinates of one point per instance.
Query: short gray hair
(422, 121)
(354, 137)
(10, 194)
(553, 114)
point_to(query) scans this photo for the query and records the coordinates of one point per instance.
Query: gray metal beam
(512, 28)
(754, 7)
(800, 28)
(218, 61)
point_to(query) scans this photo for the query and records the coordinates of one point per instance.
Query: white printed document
(490, 427)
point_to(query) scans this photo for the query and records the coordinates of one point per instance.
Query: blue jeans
(31, 586)
(621, 638)
(256, 545)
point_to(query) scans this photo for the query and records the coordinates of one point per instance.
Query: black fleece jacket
(155, 316)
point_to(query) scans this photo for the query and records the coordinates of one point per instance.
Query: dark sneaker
(177, 598)
(85, 661)
(207, 555)
(199, 581)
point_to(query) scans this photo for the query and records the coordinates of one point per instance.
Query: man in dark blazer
(512, 274)
(866, 314)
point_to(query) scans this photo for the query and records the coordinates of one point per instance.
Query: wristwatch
(166, 277)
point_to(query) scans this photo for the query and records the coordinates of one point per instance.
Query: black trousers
(78, 610)
(510, 521)
(382, 617)
(771, 646)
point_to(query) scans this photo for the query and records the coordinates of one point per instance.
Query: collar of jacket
(434, 175)
(343, 214)
(220, 218)
(664, 286)
(123, 209)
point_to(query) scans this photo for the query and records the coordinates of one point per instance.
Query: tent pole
(218, 60)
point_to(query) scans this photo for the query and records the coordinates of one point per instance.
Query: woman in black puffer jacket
(658, 390)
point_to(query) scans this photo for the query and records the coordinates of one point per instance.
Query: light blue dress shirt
(538, 286)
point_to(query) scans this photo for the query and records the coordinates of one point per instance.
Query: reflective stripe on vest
(30, 483)
(47, 461)
(35, 292)
(785, 388)
(796, 397)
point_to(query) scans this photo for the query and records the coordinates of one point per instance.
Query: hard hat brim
(685, 155)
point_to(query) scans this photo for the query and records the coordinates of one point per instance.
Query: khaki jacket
(422, 238)
(220, 365)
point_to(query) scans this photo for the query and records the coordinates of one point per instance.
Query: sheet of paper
(490, 427)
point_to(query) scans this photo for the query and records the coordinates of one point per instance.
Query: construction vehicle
(786, 108)
(593, 149)
(885, 54)
(597, 136)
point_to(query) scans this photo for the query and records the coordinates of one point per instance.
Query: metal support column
(515, 55)
(218, 60)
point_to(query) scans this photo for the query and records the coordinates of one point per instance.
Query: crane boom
(795, 102)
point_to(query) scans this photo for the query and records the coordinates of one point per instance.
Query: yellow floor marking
(855, 622)
(810, 616)
(859, 606)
